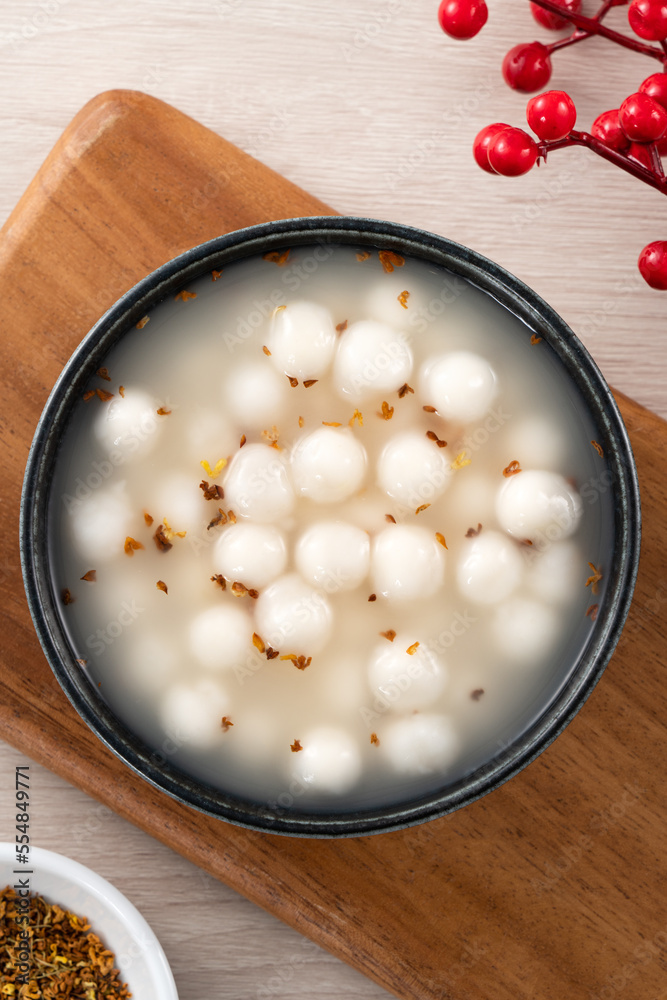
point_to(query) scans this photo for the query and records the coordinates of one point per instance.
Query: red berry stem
(622, 160)
(587, 26)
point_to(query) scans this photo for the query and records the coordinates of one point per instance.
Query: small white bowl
(138, 955)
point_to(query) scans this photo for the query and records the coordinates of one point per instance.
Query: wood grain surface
(551, 887)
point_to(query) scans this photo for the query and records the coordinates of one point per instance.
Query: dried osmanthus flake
(88, 394)
(271, 437)
(148, 519)
(121, 390)
(292, 381)
(404, 390)
(598, 448)
(82, 662)
(67, 960)
(185, 295)
(592, 612)
(439, 537)
(390, 634)
(104, 395)
(226, 723)
(403, 299)
(363, 255)
(142, 322)
(424, 506)
(219, 580)
(387, 411)
(358, 416)
(239, 589)
(271, 653)
(161, 585)
(477, 694)
(212, 492)
(169, 531)
(300, 662)
(429, 409)
(594, 578)
(161, 541)
(461, 461)
(411, 650)
(216, 470)
(342, 327)
(163, 412)
(215, 275)
(104, 373)
(390, 260)
(535, 339)
(512, 469)
(310, 381)
(242, 441)
(432, 436)
(331, 423)
(390, 518)
(296, 746)
(232, 516)
(373, 597)
(375, 740)
(66, 596)
(90, 576)
(278, 257)
(473, 532)
(258, 642)
(131, 546)
(266, 351)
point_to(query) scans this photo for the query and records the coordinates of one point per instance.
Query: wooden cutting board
(552, 887)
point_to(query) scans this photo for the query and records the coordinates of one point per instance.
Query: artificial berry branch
(633, 137)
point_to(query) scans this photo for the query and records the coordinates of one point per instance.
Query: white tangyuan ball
(407, 562)
(328, 465)
(419, 744)
(407, 682)
(460, 385)
(101, 522)
(371, 359)
(524, 631)
(534, 504)
(333, 555)
(178, 498)
(555, 573)
(253, 554)
(221, 637)
(255, 395)
(191, 714)
(490, 568)
(291, 613)
(302, 340)
(257, 486)
(412, 469)
(129, 424)
(330, 760)
(210, 435)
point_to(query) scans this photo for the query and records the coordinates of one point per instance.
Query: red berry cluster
(634, 136)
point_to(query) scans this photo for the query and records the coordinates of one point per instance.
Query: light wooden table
(368, 106)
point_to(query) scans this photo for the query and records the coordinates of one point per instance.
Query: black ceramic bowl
(620, 484)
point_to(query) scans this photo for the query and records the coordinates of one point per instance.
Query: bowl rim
(511, 292)
(74, 874)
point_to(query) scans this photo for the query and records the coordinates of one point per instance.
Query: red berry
(480, 147)
(642, 119)
(607, 128)
(527, 67)
(552, 21)
(655, 86)
(653, 264)
(462, 18)
(512, 152)
(551, 115)
(648, 19)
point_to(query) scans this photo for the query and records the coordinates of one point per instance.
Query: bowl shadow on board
(462, 263)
